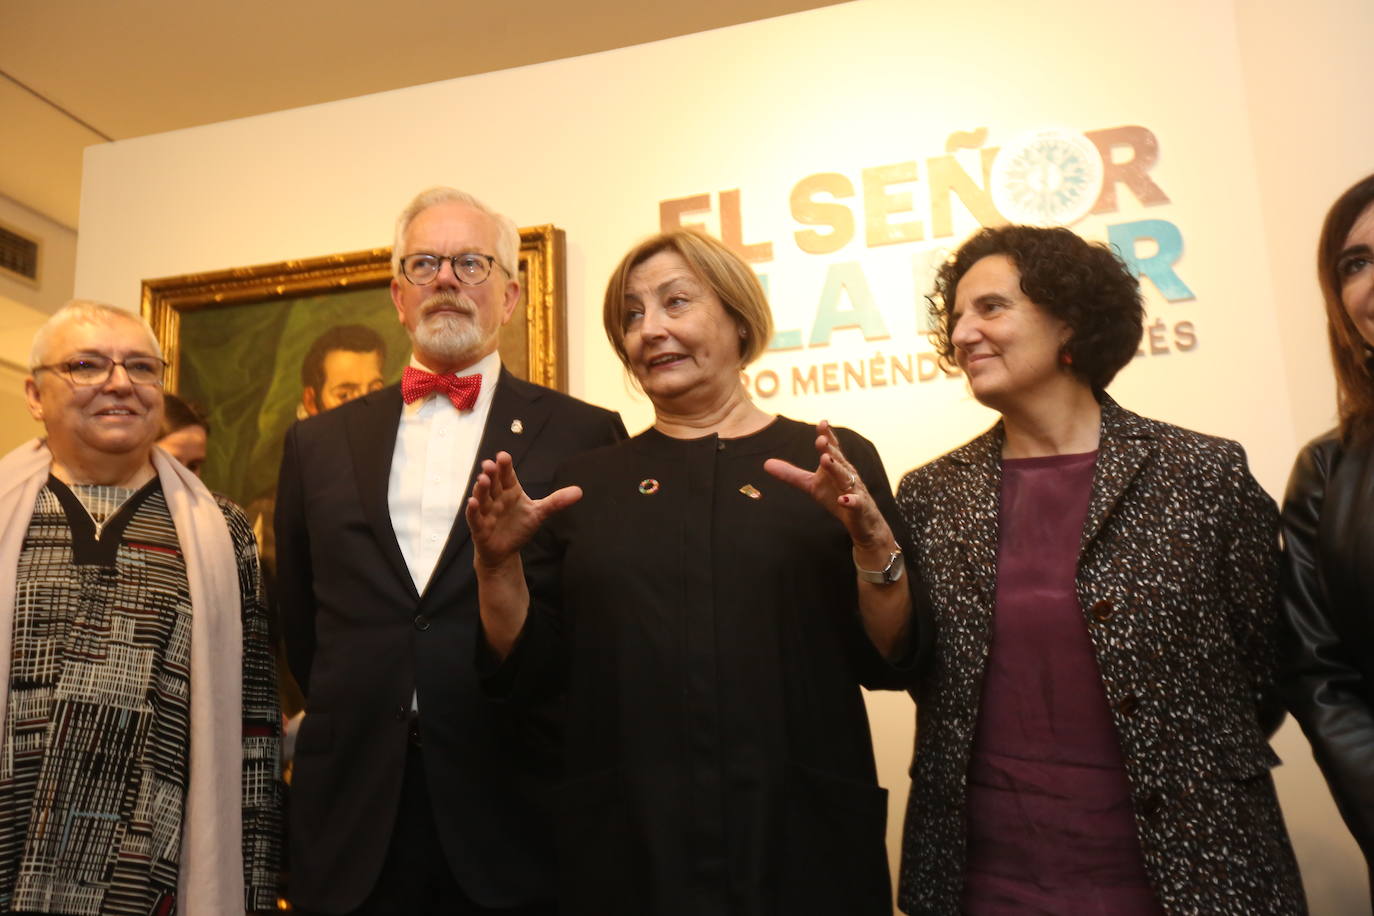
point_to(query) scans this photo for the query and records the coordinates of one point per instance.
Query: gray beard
(452, 339)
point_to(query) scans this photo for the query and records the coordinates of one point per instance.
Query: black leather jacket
(1328, 606)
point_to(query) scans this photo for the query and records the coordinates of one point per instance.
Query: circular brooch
(648, 486)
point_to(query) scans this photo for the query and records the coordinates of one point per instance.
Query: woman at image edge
(1328, 534)
(710, 628)
(1103, 587)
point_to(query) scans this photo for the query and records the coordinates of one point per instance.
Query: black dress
(705, 628)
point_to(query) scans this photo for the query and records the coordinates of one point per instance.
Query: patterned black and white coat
(1177, 574)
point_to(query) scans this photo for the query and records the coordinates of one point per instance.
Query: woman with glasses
(139, 708)
(1328, 533)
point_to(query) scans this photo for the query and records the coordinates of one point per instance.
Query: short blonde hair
(732, 280)
(85, 310)
(507, 233)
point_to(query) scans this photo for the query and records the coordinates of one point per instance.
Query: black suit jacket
(360, 640)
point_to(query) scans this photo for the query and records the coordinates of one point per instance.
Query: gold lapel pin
(648, 486)
(751, 491)
(516, 426)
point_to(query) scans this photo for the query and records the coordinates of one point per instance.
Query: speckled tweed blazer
(1177, 574)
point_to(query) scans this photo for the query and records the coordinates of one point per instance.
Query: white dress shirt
(436, 446)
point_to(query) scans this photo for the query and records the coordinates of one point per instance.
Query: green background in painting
(242, 365)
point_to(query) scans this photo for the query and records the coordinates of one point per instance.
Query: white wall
(1301, 79)
(24, 307)
(18, 324)
(594, 144)
(57, 264)
(16, 425)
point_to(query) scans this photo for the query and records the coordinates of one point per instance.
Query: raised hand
(884, 608)
(838, 489)
(501, 516)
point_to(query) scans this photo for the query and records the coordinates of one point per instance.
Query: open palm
(501, 516)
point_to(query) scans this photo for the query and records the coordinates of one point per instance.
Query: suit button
(1102, 611)
(421, 622)
(1128, 704)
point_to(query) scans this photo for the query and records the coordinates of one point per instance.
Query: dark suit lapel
(1124, 446)
(517, 413)
(979, 489)
(372, 439)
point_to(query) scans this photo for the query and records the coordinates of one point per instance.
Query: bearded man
(414, 794)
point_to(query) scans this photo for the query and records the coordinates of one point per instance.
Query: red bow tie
(461, 390)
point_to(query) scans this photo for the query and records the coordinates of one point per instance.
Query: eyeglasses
(471, 269)
(96, 370)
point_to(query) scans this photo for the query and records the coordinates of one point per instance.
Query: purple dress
(1050, 824)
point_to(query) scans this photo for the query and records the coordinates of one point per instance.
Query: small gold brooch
(648, 486)
(751, 491)
(517, 427)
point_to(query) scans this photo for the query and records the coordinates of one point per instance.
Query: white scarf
(210, 882)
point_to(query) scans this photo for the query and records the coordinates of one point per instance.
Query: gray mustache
(445, 301)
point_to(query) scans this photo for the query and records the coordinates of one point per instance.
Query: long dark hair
(1350, 355)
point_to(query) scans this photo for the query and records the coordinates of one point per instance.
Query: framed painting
(249, 347)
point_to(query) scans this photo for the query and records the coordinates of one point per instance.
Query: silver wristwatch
(888, 574)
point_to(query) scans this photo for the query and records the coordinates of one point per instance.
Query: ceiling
(74, 73)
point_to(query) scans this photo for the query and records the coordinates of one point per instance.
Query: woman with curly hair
(1328, 534)
(1090, 734)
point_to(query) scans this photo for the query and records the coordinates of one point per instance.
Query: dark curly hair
(1349, 355)
(1083, 284)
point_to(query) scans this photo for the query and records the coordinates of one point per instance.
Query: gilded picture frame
(235, 341)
